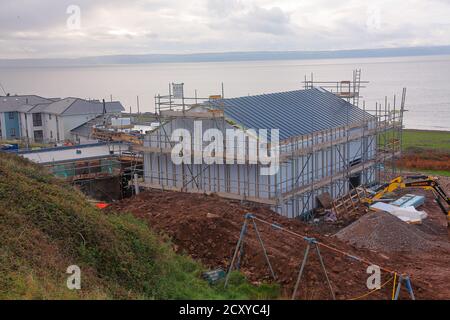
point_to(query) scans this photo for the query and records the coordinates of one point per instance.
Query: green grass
(438, 173)
(46, 226)
(420, 139)
(430, 172)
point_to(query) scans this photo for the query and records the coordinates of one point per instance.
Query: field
(426, 151)
(426, 140)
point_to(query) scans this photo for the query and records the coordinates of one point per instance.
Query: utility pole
(137, 102)
(104, 113)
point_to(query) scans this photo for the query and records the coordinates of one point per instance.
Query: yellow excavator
(421, 181)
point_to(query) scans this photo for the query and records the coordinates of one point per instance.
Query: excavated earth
(207, 228)
(382, 231)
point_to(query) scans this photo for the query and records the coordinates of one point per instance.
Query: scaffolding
(349, 90)
(335, 160)
(86, 169)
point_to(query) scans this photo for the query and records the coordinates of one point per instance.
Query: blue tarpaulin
(9, 147)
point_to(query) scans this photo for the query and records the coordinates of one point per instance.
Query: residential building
(43, 120)
(11, 108)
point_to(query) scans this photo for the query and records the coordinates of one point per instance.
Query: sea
(427, 79)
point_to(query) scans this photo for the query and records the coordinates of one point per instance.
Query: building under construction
(329, 143)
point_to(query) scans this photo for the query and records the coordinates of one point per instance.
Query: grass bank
(46, 226)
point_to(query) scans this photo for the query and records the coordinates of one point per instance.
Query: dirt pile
(384, 232)
(207, 228)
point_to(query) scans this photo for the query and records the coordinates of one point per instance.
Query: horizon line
(236, 56)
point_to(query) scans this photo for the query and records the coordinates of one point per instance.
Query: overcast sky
(44, 29)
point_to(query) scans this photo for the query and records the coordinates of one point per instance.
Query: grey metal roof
(294, 113)
(67, 106)
(15, 103)
(60, 106)
(85, 129)
(24, 108)
(37, 108)
(76, 106)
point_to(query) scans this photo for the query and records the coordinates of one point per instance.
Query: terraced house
(47, 120)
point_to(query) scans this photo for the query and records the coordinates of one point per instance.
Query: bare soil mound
(384, 232)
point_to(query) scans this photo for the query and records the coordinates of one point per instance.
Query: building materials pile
(406, 214)
(207, 228)
(409, 200)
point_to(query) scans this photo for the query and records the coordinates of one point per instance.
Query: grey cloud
(223, 8)
(22, 15)
(19, 15)
(273, 21)
(38, 28)
(151, 35)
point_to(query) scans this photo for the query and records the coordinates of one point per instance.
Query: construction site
(316, 225)
(337, 205)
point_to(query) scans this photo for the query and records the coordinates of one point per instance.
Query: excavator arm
(399, 183)
(424, 182)
(432, 184)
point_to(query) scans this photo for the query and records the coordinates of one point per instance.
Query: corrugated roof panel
(294, 113)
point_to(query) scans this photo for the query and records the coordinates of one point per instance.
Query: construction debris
(406, 214)
(325, 200)
(214, 276)
(410, 215)
(330, 216)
